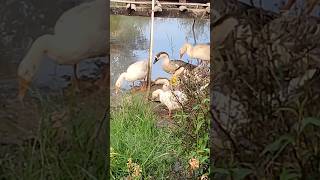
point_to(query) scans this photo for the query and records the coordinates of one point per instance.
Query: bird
(131, 7)
(183, 8)
(79, 33)
(199, 51)
(171, 99)
(158, 7)
(171, 66)
(136, 71)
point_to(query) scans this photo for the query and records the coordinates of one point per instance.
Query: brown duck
(171, 66)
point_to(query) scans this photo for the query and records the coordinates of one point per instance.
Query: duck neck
(31, 62)
(166, 61)
(120, 79)
(189, 49)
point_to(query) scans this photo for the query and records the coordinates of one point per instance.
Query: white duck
(200, 51)
(80, 33)
(172, 99)
(136, 71)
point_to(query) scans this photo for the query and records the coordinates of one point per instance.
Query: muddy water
(130, 38)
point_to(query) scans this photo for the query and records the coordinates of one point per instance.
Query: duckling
(171, 66)
(172, 99)
(67, 45)
(200, 51)
(136, 71)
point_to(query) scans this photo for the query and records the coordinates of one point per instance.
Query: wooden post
(150, 51)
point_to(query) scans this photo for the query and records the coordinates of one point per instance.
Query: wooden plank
(162, 3)
(166, 12)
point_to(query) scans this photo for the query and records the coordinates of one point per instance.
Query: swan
(79, 33)
(171, 99)
(171, 66)
(200, 51)
(136, 71)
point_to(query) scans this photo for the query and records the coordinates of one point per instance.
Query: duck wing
(179, 63)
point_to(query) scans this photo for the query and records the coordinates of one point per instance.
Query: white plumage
(136, 71)
(79, 33)
(172, 99)
(200, 51)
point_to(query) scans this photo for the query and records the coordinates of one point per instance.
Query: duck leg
(143, 86)
(75, 77)
(169, 114)
(102, 82)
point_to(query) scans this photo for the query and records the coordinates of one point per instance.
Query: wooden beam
(162, 3)
(166, 12)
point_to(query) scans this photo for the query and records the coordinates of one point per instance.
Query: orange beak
(117, 90)
(23, 87)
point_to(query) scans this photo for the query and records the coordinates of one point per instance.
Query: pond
(130, 40)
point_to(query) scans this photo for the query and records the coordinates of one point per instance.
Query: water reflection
(130, 40)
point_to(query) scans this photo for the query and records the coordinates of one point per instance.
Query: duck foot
(75, 84)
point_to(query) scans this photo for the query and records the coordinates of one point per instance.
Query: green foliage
(134, 135)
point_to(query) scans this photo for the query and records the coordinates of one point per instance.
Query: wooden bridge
(171, 9)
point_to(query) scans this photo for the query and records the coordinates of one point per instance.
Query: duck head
(23, 87)
(159, 56)
(184, 49)
(26, 72)
(117, 87)
(119, 82)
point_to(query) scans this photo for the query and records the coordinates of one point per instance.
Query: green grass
(56, 155)
(134, 135)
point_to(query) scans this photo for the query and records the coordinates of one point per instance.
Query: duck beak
(155, 60)
(117, 90)
(23, 87)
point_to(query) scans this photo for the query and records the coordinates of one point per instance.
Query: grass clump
(65, 147)
(138, 148)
